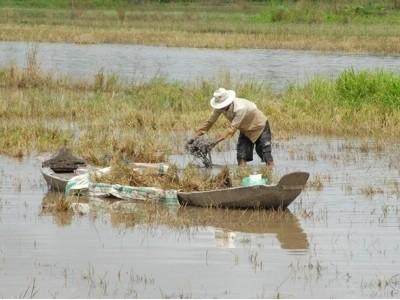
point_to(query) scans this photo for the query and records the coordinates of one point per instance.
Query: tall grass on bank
(144, 121)
(314, 12)
(316, 25)
(357, 89)
(365, 103)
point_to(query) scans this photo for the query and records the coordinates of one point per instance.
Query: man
(245, 117)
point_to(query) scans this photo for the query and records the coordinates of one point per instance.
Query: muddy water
(137, 63)
(339, 238)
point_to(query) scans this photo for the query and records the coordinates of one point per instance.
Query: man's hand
(190, 141)
(193, 138)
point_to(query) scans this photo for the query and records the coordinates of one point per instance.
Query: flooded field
(338, 239)
(133, 63)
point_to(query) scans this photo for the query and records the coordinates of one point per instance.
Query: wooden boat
(259, 196)
(60, 168)
(56, 181)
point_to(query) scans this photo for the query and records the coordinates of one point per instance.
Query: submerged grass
(59, 207)
(103, 119)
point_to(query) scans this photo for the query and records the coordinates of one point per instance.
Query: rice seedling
(315, 183)
(255, 261)
(31, 291)
(311, 156)
(382, 283)
(191, 178)
(348, 188)
(50, 203)
(371, 191)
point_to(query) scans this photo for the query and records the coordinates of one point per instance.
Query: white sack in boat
(81, 182)
(126, 192)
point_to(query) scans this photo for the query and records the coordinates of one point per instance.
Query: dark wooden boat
(60, 168)
(259, 196)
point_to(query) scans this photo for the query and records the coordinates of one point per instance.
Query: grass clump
(356, 103)
(380, 88)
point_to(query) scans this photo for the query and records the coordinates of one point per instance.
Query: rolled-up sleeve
(235, 123)
(210, 122)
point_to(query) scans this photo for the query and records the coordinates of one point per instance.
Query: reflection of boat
(259, 196)
(284, 224)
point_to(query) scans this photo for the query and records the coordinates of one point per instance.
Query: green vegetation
(365, 88)
(354, 26)
(99, 4)
(316, 12)
(355, 90)
(103, 118)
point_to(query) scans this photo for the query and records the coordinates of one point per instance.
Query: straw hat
(222, 98)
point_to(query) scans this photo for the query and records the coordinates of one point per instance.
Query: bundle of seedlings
(200, 148)
(125, 174)
(191, 179)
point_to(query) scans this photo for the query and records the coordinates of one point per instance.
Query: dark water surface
(339, 239)
(133, 63)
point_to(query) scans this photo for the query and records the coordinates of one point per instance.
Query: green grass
(352, 89)
(379, 88)
(303, 11)
(64, 3)
(330, 12)
(144, 121)
(354, 26)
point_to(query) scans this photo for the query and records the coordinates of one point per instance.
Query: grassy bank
(354, 26)
(103, 118)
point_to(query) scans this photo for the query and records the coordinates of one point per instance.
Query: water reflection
(283, 224)
(225, 223)
(49, 208)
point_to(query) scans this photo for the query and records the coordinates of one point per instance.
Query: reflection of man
(245, 117)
